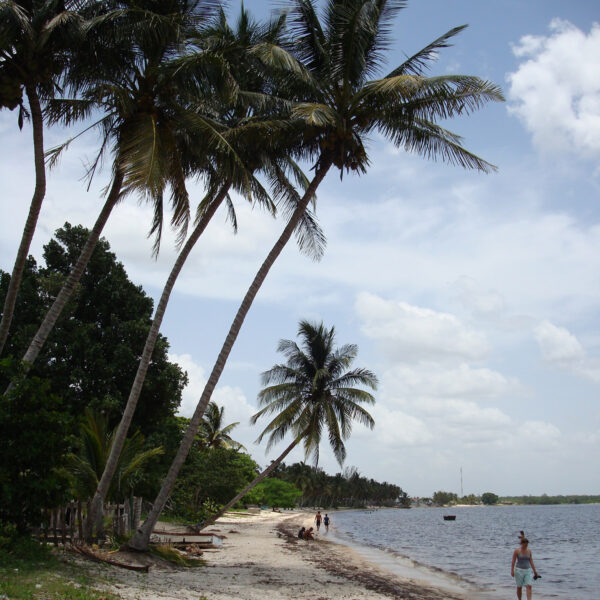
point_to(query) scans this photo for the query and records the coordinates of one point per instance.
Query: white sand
(262, 558)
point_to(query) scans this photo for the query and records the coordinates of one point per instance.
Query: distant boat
(449, 517)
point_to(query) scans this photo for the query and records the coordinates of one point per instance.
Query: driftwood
(183, 533)
(85, 551)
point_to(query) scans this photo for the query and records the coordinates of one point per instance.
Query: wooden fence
(65, 524)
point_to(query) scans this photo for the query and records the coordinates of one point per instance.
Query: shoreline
(261, 557)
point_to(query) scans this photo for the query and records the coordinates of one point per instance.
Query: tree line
(176, 93)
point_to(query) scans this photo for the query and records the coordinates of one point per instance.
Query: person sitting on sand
(301, 533)
(308, 534)
(326, 523)
(522, 568)
(318, 520)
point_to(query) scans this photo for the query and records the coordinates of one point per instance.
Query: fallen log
(85, 551)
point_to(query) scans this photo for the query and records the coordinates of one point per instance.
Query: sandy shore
(262, 558)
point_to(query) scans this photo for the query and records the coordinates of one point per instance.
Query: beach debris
(193, 550)
(99, 557)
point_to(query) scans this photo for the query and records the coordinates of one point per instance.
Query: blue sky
(475, 298)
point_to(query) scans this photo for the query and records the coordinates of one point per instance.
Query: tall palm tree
(36, 41)
(326, 72)
(214, 432)
(132, 73)
(311, 394)
(256, 133)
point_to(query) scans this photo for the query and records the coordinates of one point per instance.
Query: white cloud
(556, 90)
(412, 333)
(561, 348)
(557, 344)
(397, 429)
(237, 407)
(440, 381)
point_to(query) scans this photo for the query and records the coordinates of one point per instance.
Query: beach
(260, 558)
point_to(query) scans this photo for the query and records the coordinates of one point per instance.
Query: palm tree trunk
(37, 121)
(251, 485)
(141, 537)
(74, 276)
(140, 376)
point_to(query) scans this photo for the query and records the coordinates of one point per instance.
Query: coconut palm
(257, 134)
(326, 72)
(213, 431)
(36, 41)
(143, 92)
(311, 394)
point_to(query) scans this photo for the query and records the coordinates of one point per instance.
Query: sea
(473, 553)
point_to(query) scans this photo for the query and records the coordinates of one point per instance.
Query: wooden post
(63, 525)
(72, 519)
(80, 521)
(127, 517)
(54, 525)
(137, 512)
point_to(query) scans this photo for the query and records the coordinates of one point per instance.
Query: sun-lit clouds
(556, 89)
(233, 399)
(557, 344)
(443, 381)
(412, 333)
(559, 347)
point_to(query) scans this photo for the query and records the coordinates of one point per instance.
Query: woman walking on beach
(522, 567)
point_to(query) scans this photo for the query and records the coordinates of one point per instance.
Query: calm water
(474, 552)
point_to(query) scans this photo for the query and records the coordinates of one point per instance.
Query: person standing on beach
(522, 568)
(318, 520)
(326, 523)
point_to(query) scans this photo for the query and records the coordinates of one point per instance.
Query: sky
(474, 298)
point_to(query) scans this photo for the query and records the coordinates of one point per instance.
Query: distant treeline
(545, 499)
(349, 488)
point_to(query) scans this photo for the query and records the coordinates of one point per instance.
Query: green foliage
(210, 478)
(545, 499)
(26, 564)
(315, 392)
(470, 499)
(343, 489)
(33, 441)
(275, 493)
(86, 467)
(214, 432)
(441, 498)
(172, 555)
(92, 354)
(489, 498)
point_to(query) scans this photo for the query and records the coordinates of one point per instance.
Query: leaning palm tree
(36, 41)
(139, 86)
(311, 394)
(213, 431)
(326, 73)
(255, 130)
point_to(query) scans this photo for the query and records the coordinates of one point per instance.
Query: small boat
(449, 517)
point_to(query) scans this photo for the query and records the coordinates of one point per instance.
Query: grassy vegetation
(30, 571)
(170, 554)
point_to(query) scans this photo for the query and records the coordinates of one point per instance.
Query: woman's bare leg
(528, 591)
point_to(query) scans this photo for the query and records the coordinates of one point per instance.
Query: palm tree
(214, 433)
(312, 393)
(86, 466)
(254, 131)
(36, 41)
(139, 84)
(327, 74)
